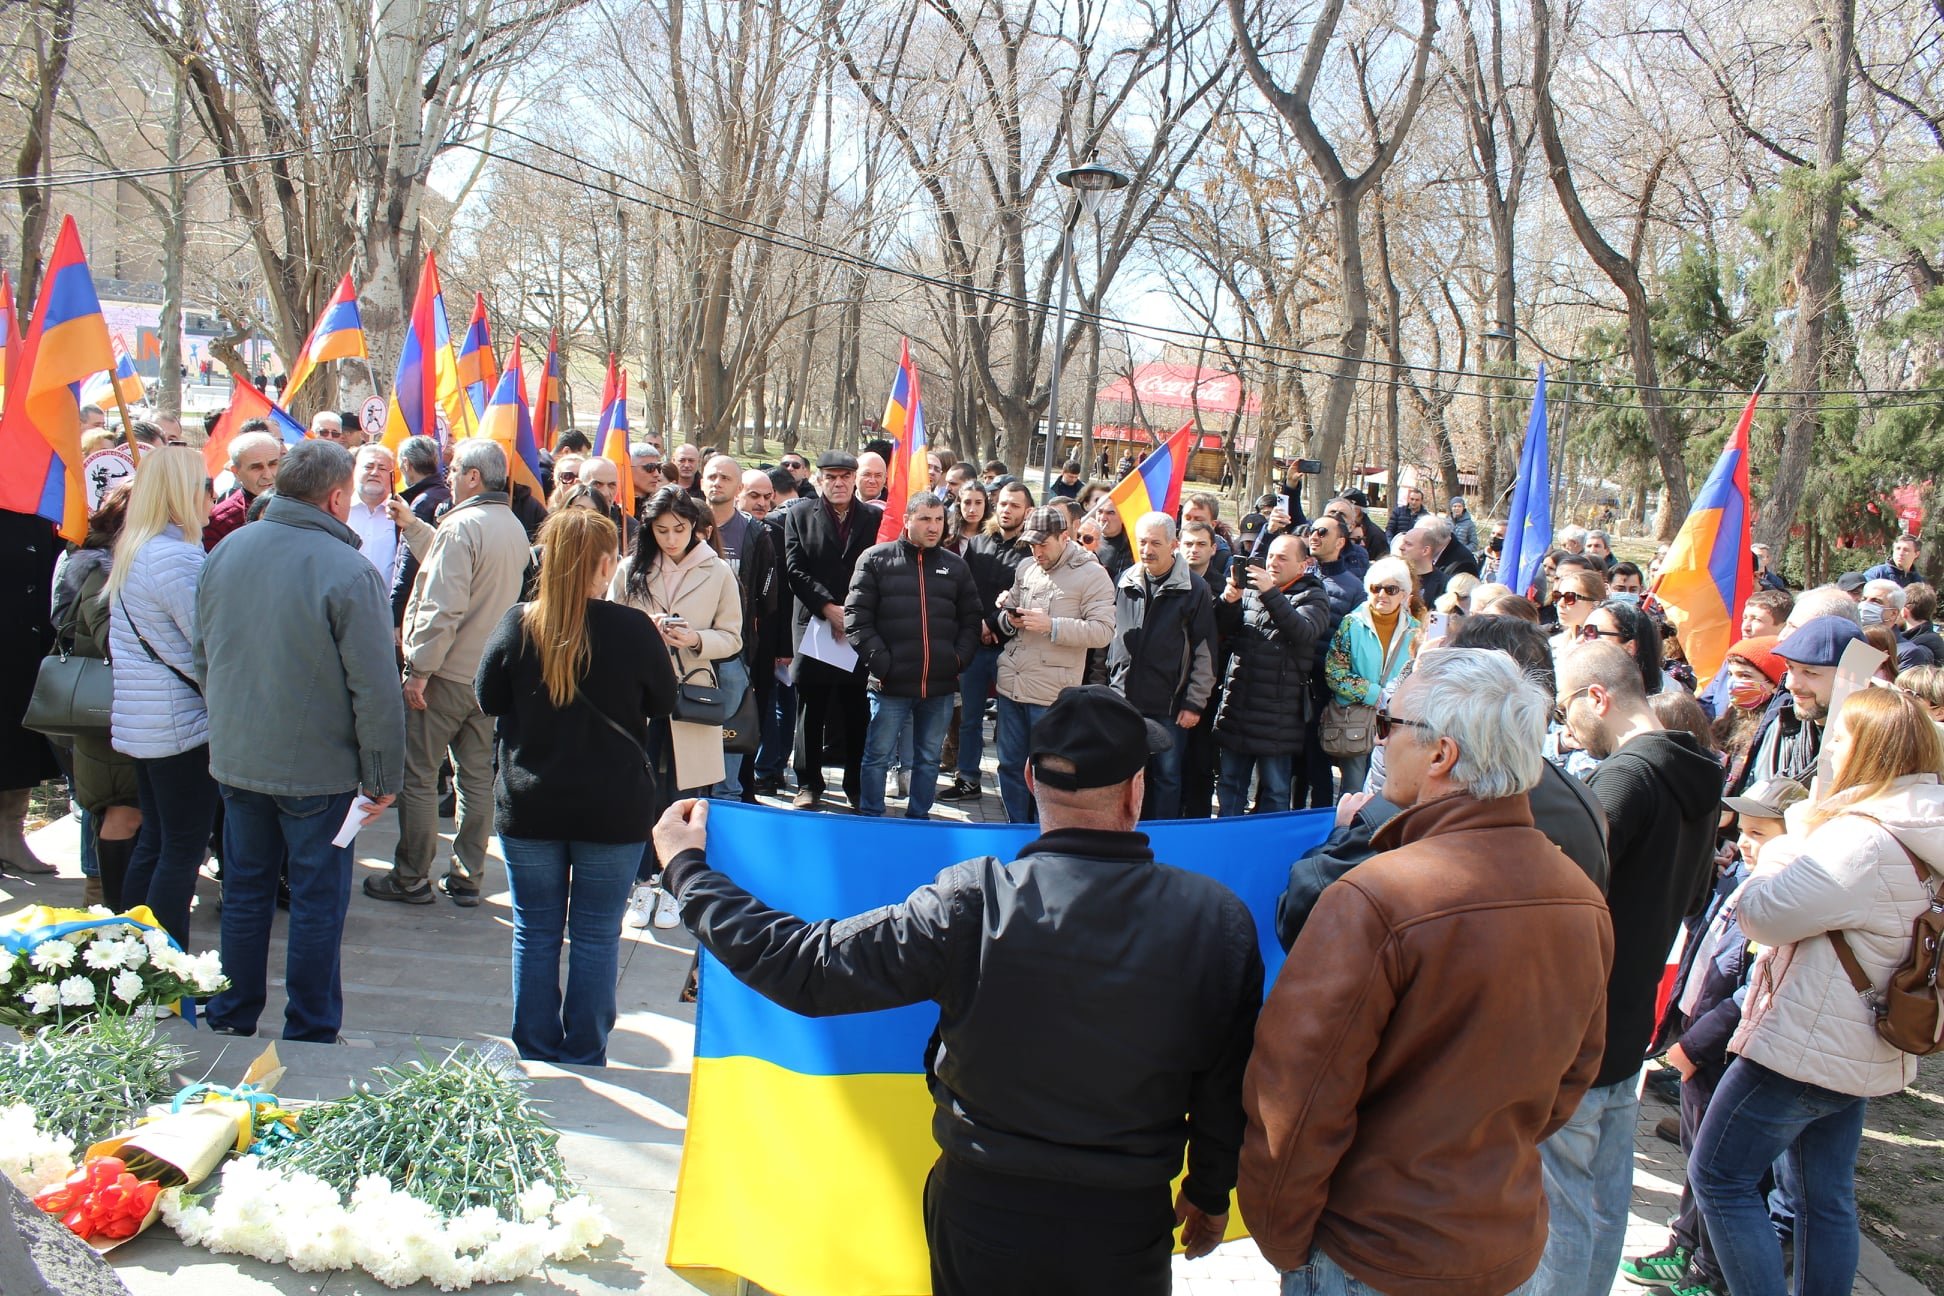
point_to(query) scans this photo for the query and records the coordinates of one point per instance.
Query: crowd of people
(1440, 1092)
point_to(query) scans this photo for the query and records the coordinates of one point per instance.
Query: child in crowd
(1696, 1025)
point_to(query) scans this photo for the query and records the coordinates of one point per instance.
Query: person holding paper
(822, 541)
(305, 713)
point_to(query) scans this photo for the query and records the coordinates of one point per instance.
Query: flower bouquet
(60, 965)
(444, 1172)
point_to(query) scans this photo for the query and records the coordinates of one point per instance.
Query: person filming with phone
(1275, 614)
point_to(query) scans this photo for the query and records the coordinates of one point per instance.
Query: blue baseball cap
(1819, 641)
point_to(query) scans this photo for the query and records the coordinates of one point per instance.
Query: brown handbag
(1908, 1011)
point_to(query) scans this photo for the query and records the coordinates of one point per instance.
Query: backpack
(1909, 1014)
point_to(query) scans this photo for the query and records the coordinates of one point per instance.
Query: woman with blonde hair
(1370, 650)
(1855, 871)
(692, 597)
(574, 681)
(159, 718)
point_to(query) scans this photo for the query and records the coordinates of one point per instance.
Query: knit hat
(1759, 652)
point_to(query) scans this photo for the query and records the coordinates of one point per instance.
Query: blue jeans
(1588, 1165)
(1757, 1116)
(1238, 768)
(1163, 799)
(178, 800)
(1014, 735)
(258, 832)
(579, 890)
(925, 720)
(779, 731)
(1323, 1276)
(733, 678)
(976, 684)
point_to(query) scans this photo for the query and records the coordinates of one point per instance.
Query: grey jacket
(294, 648)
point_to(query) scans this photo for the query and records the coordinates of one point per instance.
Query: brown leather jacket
(1443, 1011)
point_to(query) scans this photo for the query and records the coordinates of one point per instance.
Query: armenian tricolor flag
(337, 335)
(904, 424)
(1155, 484)
(462, 420)
(1708, 575)
(809, 1138)
(478, 366)
(611, 433)
(426, 368)
(128, 380)
(546, 409)
(40, 428)
(246, 403)
(9, 333)
(509, 421)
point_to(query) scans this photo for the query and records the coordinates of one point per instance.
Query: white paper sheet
(352, 821)
(822, 643)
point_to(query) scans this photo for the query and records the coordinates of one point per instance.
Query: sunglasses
(1572, 598)
(1386, 589)
(1386, 722)
(1089, 539)
(566, 476)
(1559, 712)
(1592, 632)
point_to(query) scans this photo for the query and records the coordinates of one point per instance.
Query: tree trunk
(1815, 281)
(175, 247)
(53, 35)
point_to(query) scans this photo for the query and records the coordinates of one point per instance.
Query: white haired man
(1378, 1094)
(1162, 656)
(253, 458)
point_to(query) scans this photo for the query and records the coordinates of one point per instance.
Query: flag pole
(128, 424)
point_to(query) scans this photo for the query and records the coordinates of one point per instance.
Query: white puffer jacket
(155, 713)
(1803, 1019)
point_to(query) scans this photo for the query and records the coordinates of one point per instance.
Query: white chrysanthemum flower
(536, 1201)
(43, 996)
(29, 1156)
(206, 970)
(134, 952)
(53, 955)
(520, 1250)
(103, 954)
(473, 1228)
(77, 992)
(7, 961)
(579, 1226)
(127, 986)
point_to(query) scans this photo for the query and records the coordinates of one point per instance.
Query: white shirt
(377, 536)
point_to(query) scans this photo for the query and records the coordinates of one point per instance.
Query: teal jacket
(1354, 670)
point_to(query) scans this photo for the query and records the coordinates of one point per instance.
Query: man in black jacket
(1662, 796)
(822, 541)
(764, 496)
(994, 556)
(913, 616)
(1162, 658)
(1429, 549)
(1275, 628)
(1063, 1101)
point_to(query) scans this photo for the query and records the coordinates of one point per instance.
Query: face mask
(1498, 544)
(1869, 613)
(1625, 596)
(1748, 695)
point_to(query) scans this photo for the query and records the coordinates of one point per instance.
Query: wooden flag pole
(128, 424)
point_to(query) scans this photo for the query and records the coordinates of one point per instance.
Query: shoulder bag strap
(580, 695)
(156, 657)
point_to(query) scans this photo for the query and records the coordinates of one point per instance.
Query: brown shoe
(385, 887)
(806, 799)
(1670, 1129)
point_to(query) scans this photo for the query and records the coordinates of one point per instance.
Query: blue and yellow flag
(809, 1138)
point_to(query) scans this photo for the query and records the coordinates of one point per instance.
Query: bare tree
(46, 37)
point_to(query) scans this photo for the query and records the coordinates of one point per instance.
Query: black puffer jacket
(913, 616)
(1275, 637)
(994, 561)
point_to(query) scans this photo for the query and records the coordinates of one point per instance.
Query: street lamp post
(1090, 184)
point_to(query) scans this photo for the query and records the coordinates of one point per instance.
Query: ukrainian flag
(1155, 484)
(40, 428)
(1708, 574)
(808, 1138)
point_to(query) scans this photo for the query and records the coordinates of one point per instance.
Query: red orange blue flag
(127, 379)
(338, 334)
(904, 425)
(611, 433)
(508, 420)
(414, 407)
(1708, 575)
(246, 403)
(478, 366)
(1155, 484)
(9, 333)
(546, 407)
(40, 427)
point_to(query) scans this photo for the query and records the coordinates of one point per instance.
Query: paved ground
(424, 978)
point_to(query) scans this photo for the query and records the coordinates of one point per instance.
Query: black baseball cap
(1100, 733)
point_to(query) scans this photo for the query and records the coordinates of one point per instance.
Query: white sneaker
(667, 914)
(641, 903)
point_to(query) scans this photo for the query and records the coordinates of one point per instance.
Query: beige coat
(468, 576)
(1079, 595)
(1803, 1019)
(707, 597)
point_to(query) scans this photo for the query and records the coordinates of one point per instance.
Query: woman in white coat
(676, 577)
(1863, 862)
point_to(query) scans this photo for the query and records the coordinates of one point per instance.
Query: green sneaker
(1661, 1269)
(1692, 1286)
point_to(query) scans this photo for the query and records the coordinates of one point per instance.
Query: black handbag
(700, 701)
(73, 696)
(742, 733)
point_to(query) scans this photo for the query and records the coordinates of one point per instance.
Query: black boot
(113, 854)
